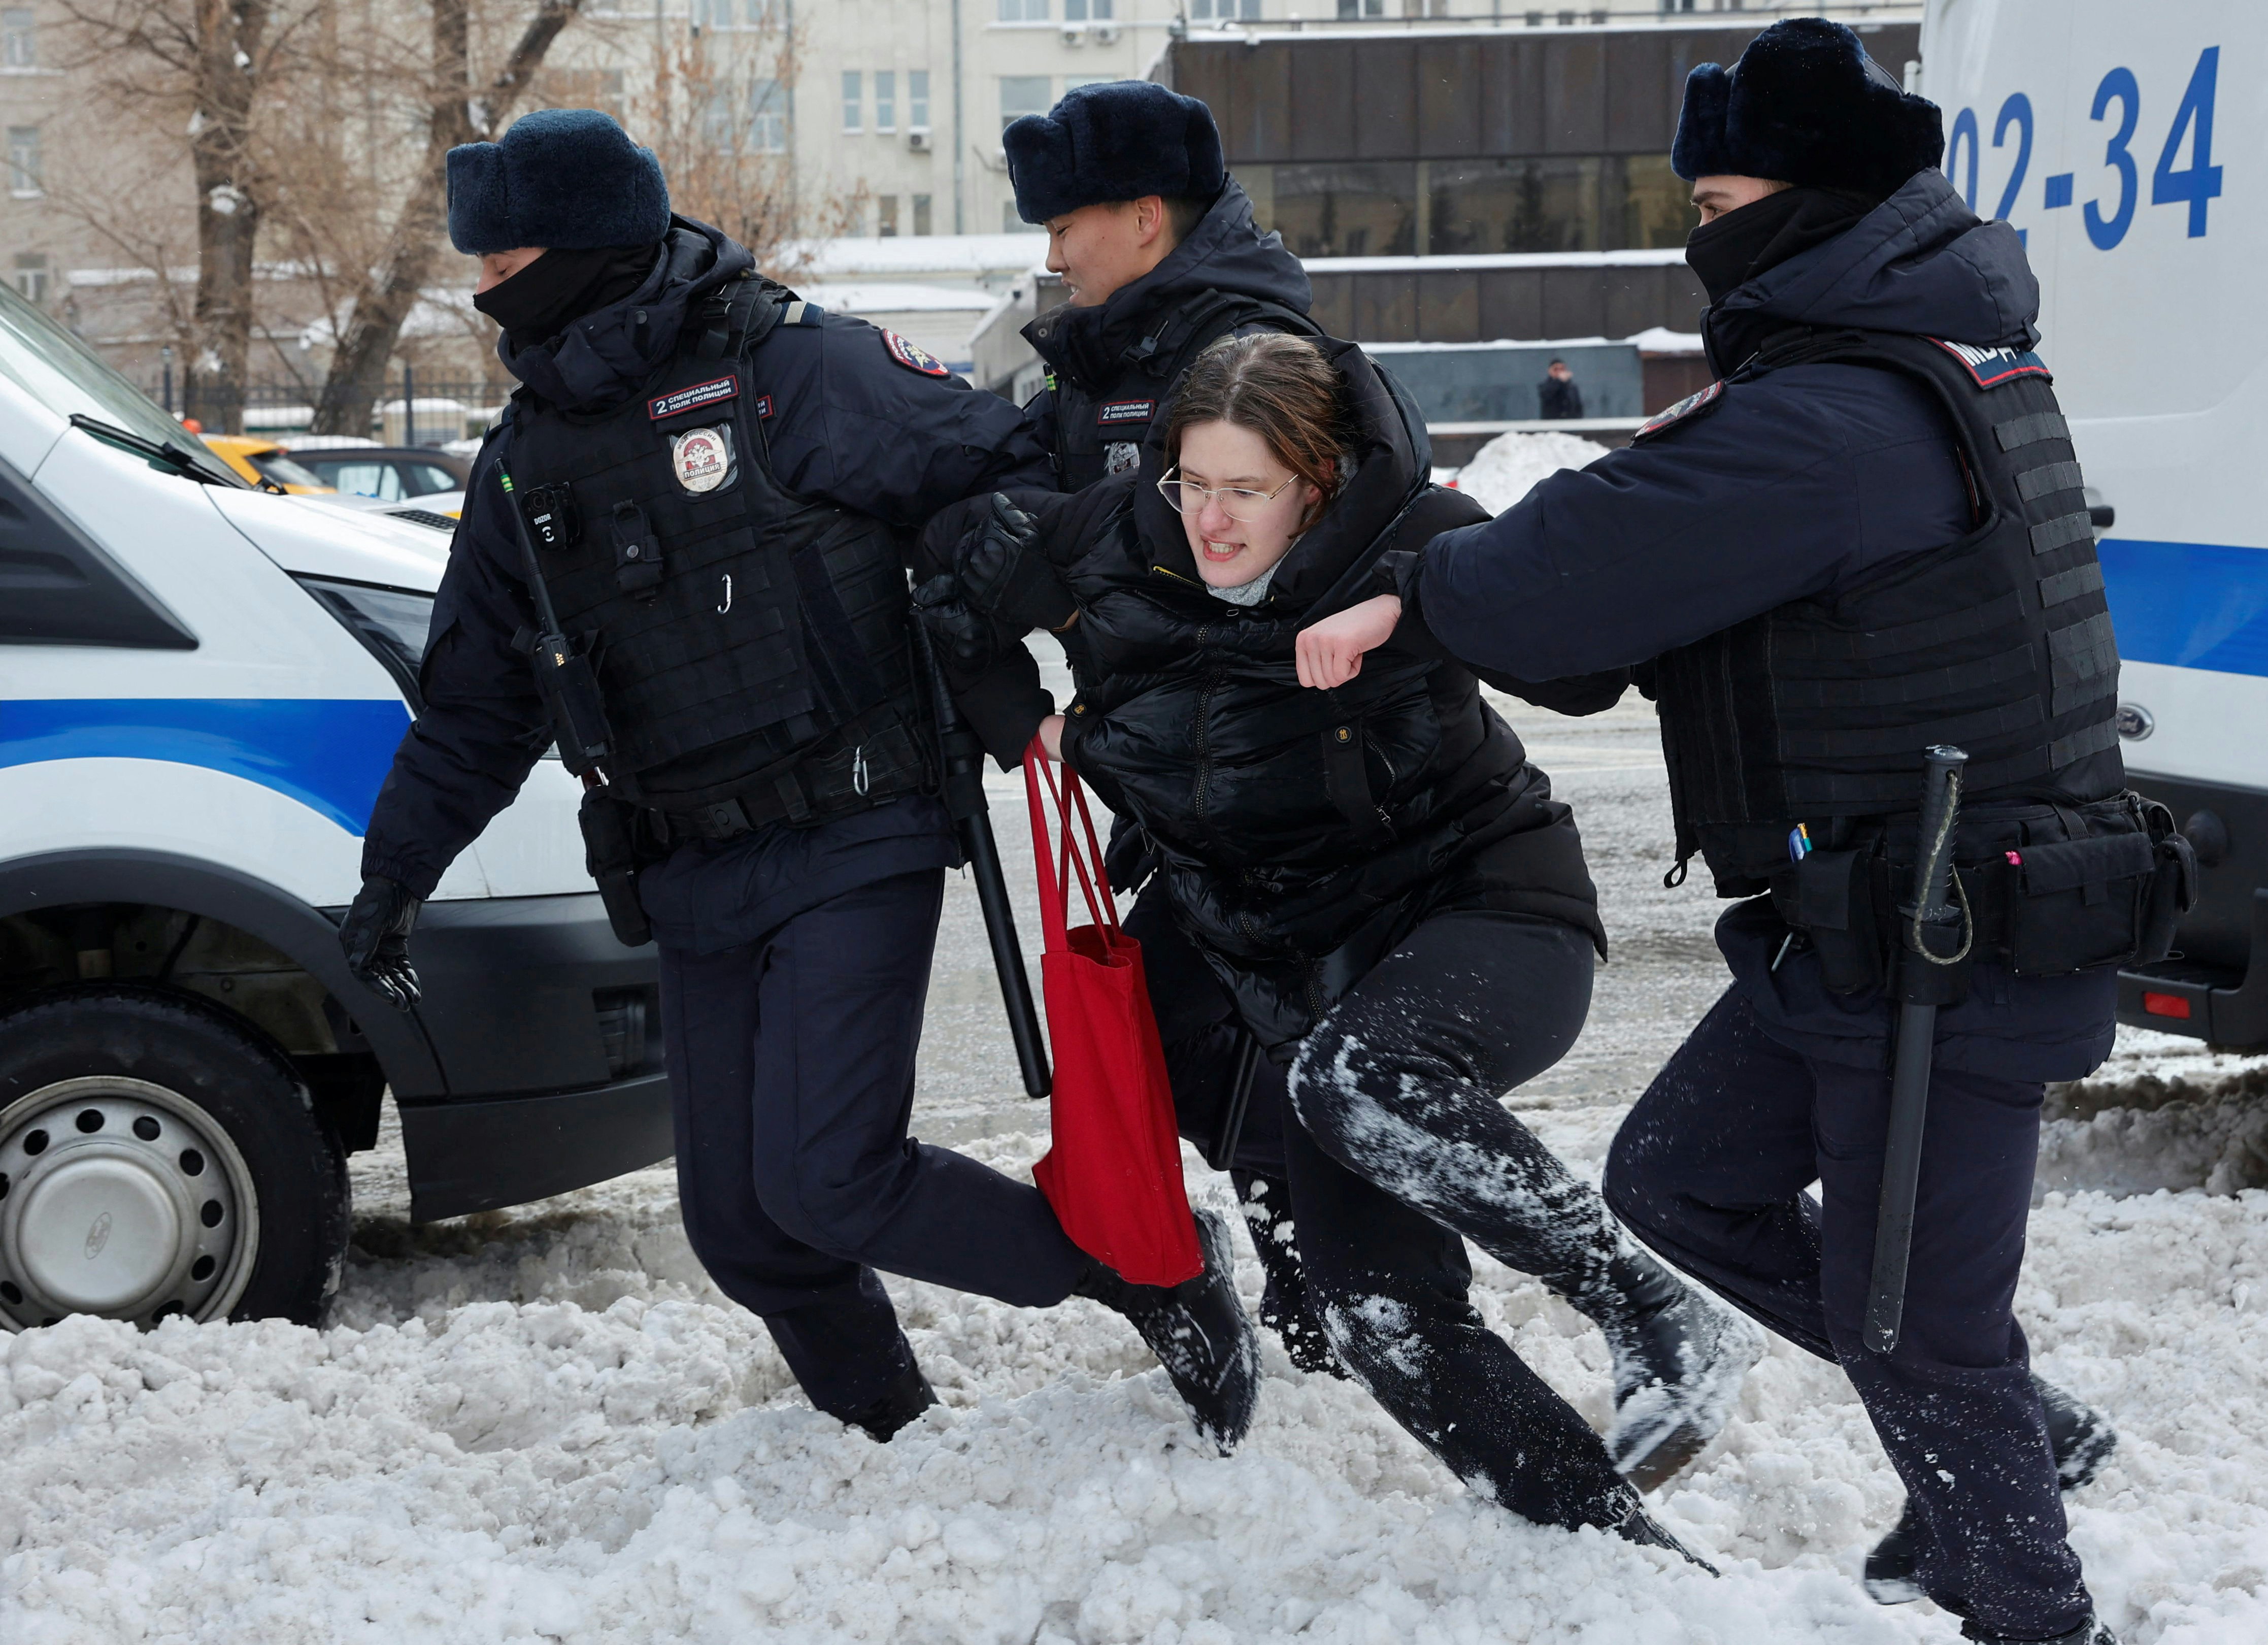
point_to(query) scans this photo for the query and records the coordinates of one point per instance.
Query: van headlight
(391, 623)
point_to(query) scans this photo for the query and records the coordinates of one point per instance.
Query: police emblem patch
(1698, 401)
(1120, 456)
(702, 457)
(913, 356)
(1992, 367)
(1125, 411)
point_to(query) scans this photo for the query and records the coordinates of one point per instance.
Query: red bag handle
(1057, 867)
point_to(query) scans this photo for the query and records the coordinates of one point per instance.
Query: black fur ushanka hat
(1806, 105)
(565, 179)
(1120, 140)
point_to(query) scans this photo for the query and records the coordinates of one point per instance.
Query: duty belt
(875, 758)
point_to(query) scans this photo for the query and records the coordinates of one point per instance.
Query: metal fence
(413, 409)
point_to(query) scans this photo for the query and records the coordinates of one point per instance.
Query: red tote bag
(1114, 1173)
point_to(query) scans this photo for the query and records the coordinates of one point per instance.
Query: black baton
(964, 800)
(1222, 1154)
(1910, 1061)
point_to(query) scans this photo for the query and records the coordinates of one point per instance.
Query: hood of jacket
(1225, 251)
(602, 360)
(1921, 263)
(1392, 470)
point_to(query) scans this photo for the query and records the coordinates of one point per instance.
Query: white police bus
(2124, 142)
(200, 690)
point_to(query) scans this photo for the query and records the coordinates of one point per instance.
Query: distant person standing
(1557, 396)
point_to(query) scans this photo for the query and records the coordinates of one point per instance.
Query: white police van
(2124, 142)
(201, 690)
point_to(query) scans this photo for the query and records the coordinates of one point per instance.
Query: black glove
(375, 934)
(968, 640)
(1005, 574)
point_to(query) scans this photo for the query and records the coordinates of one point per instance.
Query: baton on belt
(964, 800)
(1919, 992)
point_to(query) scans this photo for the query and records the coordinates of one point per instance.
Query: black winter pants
(791, 1073)
(1709, 1170)
(1401, 1150)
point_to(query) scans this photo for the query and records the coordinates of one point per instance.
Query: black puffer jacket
(1300, 833)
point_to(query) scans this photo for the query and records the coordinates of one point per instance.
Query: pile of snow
(1503, 471)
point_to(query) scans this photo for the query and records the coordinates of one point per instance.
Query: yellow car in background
(264, 464)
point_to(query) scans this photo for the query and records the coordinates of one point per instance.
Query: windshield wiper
(166, 452)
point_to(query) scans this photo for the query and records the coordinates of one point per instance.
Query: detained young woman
(1371, 884)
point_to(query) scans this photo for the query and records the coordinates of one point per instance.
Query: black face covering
(536, 304)
(1741, 245)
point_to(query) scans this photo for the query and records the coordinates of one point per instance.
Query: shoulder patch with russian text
(693, 398)
(1701, 400)
(913, 356)
(1992, 367)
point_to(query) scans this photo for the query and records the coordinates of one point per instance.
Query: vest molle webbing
(740, 633)
(1998, 642)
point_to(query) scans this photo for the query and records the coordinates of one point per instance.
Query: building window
(1023, 10)
(768, 117)
(922, 219)
(1022, 94)
(886, 100)
(1350, 11)
(1101, 11)
(917, 100)
(886, 216)
(24, 161)
(1356, 208)
(1516, 205)
(854, 101)
(1248, 11)
(32, 275)
(19, 42)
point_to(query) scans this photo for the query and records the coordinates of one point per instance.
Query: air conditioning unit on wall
(1105, 33)
(1073, 34)
(917, 141)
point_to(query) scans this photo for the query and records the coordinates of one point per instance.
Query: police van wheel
(157, 1158)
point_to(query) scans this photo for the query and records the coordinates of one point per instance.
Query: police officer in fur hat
(715, 486)
(1867, 537)
(1158, 254)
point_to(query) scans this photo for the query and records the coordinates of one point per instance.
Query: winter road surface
(545, 1425)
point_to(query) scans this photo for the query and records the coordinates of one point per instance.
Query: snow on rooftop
(1653, 340)
(918, 253)
(888, 297)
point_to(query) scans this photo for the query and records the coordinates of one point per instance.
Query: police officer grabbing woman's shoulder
(1868, 537)
(689, 537)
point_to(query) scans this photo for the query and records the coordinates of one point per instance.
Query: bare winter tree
(208, 64)
(459, 111)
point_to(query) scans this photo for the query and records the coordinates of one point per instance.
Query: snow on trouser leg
(1390, 1284)
(1399, 1083)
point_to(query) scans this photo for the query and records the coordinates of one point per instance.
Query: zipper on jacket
(1204, 733)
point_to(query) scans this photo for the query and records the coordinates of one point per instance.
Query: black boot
(2079, 1437)
(904, 1400)
(1199, 1332)
(1285, 1306)
(1679, 1362)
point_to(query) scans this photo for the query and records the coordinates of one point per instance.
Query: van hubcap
(123, 1199)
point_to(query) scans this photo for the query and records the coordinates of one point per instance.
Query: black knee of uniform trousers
(1390, 1286)
(1401, 1083)
(1709, 1170)
(829, 1010)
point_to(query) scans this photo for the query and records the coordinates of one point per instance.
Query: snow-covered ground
(545, 1424)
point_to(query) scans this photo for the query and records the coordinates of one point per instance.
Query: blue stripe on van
(327, 754)
(2190, 605)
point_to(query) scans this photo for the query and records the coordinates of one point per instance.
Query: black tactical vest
(1998, 643)
(1100, 431)
(751, 645)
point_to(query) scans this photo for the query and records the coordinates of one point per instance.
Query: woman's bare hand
(1051, 736)
(1331, 653)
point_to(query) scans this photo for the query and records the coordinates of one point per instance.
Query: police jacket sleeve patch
(1992, 367)
(693, 398)
(913, 356)
(1692, 405)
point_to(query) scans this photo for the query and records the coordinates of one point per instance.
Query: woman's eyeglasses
(1238, 501)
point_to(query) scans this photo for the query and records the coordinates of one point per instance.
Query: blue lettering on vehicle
(329, 754)
(2188, 605)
